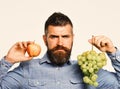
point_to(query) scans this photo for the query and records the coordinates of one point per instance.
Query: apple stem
(34, 41)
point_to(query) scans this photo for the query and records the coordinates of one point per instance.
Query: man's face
(59, 41)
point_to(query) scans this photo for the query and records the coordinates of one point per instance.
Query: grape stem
(92, 41)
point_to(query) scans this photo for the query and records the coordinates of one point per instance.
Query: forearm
(4, 67)
(115, 59)
(8, 79)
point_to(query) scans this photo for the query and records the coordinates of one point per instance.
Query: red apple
(33, 50)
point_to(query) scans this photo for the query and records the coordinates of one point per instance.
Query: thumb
(28, 58)
(90, 41)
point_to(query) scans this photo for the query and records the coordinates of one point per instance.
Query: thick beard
(59, 57)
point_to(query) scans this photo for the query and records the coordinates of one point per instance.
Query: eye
(53, 36)
(66, 36)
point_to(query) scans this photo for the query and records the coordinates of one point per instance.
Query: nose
(60, 41)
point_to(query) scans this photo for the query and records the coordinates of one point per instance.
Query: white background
(23, 20)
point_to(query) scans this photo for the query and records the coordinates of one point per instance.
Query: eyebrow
(62, 35)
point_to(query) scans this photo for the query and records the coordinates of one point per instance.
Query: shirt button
(57, 68)
(58, 82)
(37, 83)
(114, 58)
(118, 57)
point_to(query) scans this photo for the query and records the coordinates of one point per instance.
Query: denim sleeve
(4, 67)
(115, 59)
(6, 81)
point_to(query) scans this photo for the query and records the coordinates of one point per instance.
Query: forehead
(67, 29)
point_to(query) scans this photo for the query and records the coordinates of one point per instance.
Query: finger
(102, 44)
(104, 41)
(30, 42)
(99, 40)
(24, 44)
(19, 44)
(92, 40)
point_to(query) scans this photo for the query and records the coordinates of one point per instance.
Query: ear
(45, 39)
(73, 36)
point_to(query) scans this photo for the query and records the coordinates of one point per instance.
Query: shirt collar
(45, 59)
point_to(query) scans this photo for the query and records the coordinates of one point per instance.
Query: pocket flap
(35, 82)
(76, 81)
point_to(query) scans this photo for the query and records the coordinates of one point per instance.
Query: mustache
(59, 47)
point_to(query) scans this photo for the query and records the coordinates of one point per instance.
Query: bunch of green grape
(90, 62)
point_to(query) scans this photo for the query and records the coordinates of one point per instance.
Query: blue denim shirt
(42, 74)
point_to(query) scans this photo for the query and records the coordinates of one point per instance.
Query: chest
(52, 77)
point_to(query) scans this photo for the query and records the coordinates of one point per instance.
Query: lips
(59, 50)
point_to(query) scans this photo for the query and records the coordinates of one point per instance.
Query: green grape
(102, 55)
(100, 64)
(96, 70)
(95, 84)
(94, 77)
(95, 67)
(86, 62)
(83, 66)
(86, 79)
(83, 59)
(94, 62)
(80, 62)
(93, 57)
(91, 70)
(79, 57)
(93, 52)
(89, 57)
(90, 62)
(104, 63)
(90, 82)
(90, 65)
(98, 59)
(85, 53)
(85, 70)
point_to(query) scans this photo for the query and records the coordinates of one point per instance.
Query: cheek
(51, 44)
(68, 44)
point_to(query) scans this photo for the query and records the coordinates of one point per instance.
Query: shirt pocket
(46, 84)
(36, 83)
(77, 84)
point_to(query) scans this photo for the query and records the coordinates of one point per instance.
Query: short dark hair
(57, 19)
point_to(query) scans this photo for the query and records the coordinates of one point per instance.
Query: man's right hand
(17, 52)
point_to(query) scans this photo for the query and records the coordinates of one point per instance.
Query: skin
(103, 43)
(57, 35)
(17, 52)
